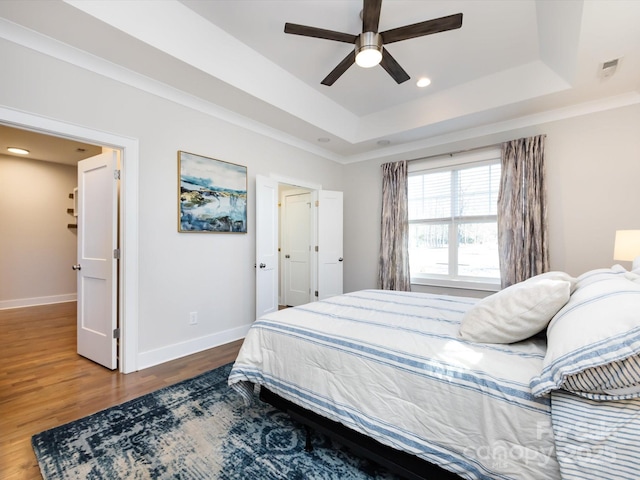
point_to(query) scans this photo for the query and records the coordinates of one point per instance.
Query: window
(453, 232)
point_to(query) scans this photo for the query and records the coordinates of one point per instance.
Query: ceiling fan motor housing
(368, 49)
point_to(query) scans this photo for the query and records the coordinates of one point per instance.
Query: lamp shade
(627, 246)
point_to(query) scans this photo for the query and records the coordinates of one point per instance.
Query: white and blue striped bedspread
(392, 366)
(596, 439)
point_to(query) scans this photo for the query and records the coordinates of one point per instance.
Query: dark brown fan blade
(342, 67)
(393, 68)
(319, 33)
(436, 25)
(371, 15)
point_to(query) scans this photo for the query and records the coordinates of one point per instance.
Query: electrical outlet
(193, 318)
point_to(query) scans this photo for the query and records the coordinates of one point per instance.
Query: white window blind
(453, 220)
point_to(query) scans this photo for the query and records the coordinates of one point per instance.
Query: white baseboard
(32, 302)
(179, 350)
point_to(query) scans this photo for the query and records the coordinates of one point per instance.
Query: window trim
(432, 281)
(449, 162)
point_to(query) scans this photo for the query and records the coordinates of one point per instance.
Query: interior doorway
(127, 298)
(61, 173)
(326, 277)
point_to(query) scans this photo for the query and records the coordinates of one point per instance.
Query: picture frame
(212, 195)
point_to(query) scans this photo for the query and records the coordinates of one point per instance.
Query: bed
(414, 373)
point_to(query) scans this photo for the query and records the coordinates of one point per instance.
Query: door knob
(340, 259)
(76, 267)
(287, 256)
(262, 265)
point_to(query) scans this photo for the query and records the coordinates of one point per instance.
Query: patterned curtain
(522, 211)
(393, 266)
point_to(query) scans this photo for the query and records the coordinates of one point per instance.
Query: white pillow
(593, 343)
(519, 311)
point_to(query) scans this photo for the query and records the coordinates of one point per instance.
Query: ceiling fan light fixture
(368, 49)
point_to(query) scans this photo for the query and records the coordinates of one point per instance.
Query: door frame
(128, 213)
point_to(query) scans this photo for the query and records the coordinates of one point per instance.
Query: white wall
(36, 247)
(593, 170)
(179, 273)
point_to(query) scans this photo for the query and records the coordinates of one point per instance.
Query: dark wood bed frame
(401, 463)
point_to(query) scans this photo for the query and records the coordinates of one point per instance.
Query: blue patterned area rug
(196, 429)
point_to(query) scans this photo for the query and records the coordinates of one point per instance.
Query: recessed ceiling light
(324, 140)
(423, 82)
(19, 151)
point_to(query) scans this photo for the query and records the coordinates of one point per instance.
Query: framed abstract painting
(212, 195)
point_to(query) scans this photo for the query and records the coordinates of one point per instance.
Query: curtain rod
(457, 152)
(451, 154)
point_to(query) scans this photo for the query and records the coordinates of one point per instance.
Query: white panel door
(266, 245)
(329, 244)
(297, 249)
(96, 267)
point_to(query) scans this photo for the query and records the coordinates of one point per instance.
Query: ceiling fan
(369, 50)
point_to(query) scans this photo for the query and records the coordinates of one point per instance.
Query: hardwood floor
(45, 383)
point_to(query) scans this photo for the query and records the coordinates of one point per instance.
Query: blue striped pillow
(593, 342)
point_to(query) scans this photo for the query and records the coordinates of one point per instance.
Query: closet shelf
(72, 211)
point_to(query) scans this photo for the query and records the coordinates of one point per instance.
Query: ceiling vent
(609, 68)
